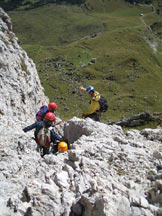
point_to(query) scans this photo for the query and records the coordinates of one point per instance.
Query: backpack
(103, 104)
(44, 136)
(40, 114)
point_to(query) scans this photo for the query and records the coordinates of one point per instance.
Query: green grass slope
(63, 39)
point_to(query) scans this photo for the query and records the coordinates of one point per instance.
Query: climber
(45, 109)
(45, 134)
(98, 104)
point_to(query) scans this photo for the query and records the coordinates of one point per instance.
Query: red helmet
(52, 106)
(50, 116)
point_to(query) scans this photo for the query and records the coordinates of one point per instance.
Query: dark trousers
(45, 150)
(95, 116)
(42, 149)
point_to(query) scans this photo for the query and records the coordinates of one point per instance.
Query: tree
(139, 1)
(10, 4)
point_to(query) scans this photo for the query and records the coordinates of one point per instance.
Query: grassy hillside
(63, 39)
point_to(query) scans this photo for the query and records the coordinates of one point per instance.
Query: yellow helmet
(62, 146)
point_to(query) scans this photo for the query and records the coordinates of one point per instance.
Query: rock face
(20, 88)
(107, 171)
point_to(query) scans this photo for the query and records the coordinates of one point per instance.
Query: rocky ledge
(106, 172)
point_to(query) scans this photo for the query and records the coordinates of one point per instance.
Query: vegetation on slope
(64, 39)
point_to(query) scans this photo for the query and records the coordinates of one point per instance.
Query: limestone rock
(20, 88)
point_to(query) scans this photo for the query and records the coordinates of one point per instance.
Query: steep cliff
(20, 88)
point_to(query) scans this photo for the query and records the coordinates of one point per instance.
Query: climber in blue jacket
(44, 133)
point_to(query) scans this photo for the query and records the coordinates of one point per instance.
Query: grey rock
(21, 91)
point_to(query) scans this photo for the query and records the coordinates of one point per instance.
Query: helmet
(90, 88)
(52, 106)
(50, 116)
(62, 146)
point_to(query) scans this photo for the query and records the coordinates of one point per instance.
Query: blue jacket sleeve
(31, 127)
(54, 136)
